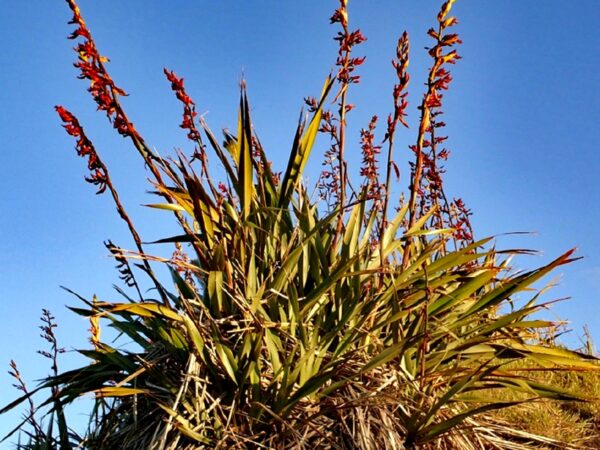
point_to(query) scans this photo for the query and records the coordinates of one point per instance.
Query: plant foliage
(346, 320)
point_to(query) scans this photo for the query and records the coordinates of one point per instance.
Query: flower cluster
(330, 179)
(180, 262)
(91, 67)
(463, 232)
(189, 115)
(189, 107)
(346, 39)
(400, 89)
(369, 168)
(439, 76)
(125, 272)
(431, 190)
(84, 147)
(48, 334)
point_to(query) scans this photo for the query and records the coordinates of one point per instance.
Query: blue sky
(521, 118)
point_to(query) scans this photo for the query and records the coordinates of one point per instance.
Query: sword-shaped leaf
(303, 143)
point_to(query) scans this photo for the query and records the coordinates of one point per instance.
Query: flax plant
(350, 321)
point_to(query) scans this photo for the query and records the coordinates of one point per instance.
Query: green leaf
(516, 284)
(144, 310)
(167, 206)
(215, 289)
(228, 360)
(111, 391)
(301, 149)
(244, 150)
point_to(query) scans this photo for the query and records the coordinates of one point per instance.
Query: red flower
(91, 66)
(84, 148)
(189, 107)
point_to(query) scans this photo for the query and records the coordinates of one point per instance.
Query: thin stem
(134, 234)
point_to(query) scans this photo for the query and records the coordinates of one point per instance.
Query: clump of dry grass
(576, 423)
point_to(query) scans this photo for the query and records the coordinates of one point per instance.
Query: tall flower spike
(99, 177)
(91, 66)
(104, 90)
(399, 95)
(425, 168)
(454, 215)
(426, 190)
(346, 64)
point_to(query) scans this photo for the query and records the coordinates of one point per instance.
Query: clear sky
(522, 119)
